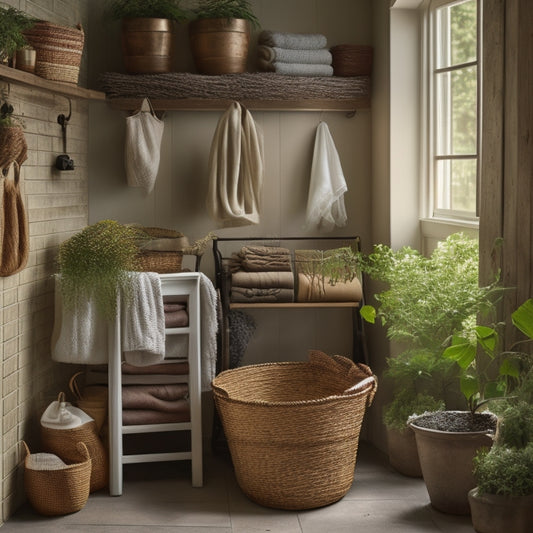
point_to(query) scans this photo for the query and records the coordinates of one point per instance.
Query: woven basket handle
(82, 448)
(26, 449)
(73, 386)
(220, 391)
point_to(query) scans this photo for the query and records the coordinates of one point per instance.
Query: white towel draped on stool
(235, 169)
(325, 202)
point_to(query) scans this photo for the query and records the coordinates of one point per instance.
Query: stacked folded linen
(153, 404)
(175, 310)
(294, 54)
(262, 274)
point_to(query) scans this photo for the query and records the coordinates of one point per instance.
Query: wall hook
(351, 114)
(64, 162)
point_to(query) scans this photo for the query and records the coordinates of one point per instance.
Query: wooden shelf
(293, 305)
(210, 104)
(13, 75)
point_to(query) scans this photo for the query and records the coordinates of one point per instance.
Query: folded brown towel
(243, 294)
(263, 280)
(163, 368)
(132, 417)
(166, 398)
(177, 319)
(314, 289)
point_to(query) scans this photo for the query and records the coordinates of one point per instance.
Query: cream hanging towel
(235, 169)
(325, 202)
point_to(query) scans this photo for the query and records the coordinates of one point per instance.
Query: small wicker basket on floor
(52, 490)
(293, 428)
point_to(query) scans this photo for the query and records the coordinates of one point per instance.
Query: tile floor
(158, 498)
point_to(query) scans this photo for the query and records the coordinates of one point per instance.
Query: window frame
(431, 158)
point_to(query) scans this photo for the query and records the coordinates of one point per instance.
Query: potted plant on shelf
(12, 24)
(503, 498)
(220, 35)
(448, 441)
(426, 301)
(147, 33)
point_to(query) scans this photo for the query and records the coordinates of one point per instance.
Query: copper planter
(147, 45)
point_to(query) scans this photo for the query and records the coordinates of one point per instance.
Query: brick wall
(57, 206)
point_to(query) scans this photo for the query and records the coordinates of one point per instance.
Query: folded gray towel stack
(294, 54)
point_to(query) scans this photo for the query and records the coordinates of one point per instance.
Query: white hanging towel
(325, 202)
(142, 153)
(235, 169)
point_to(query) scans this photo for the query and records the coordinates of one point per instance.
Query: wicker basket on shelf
(55, 487)
(59, 50)
(293, 428)
(352, 60)
(162, 261)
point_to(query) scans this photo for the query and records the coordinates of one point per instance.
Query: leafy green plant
(405, 404)
(425, 302)
(496, 372)
(166, 9)
(96, 263)
(13, 22)
(218, 9)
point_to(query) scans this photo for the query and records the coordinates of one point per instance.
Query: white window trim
(428, 210)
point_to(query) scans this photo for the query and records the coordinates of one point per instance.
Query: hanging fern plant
(96, 264)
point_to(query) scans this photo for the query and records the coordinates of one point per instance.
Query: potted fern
(220, 35)
(13, 22)
(147, 33)
(425, 301)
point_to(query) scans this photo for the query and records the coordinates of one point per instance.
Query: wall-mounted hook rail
(63, 161)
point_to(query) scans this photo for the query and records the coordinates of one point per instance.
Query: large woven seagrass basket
(293, 428)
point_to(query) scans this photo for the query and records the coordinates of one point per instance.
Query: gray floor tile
(159, 498)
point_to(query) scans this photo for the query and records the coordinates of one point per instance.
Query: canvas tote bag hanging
(144, 132)
(14, 238)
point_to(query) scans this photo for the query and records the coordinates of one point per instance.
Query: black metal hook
(63, 121)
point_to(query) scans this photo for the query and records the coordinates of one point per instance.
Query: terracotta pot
(403, 454)
(147, 45)
(492, 513)
(220, 46)
(446, 462)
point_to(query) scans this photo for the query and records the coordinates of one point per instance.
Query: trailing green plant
(339, 265)
(13, 22)
(407, 403)
(219, 9)
(495, 372)
(166, 9)
(96, 263)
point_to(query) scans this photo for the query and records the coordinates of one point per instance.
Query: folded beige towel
(314, 289)
(243, 294)
(263, 280)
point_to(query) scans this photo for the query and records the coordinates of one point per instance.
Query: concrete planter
(446, 462)
(403, 454)
(492, 513)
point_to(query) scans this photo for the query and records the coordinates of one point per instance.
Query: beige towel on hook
(235, 169)
(325, 202)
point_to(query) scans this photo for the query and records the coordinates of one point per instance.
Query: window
(454, 110)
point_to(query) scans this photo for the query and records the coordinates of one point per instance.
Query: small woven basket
(352, 60)
(59, 50)
(58, 491)
(293, 428)
(162, 262)
(91, 399)
(64, 443)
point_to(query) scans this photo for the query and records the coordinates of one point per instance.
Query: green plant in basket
(96, 263)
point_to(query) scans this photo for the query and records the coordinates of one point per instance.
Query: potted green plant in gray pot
(448, 441)
(426, 301)
(220, 35)
(503, 497)
(147, 33)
